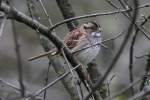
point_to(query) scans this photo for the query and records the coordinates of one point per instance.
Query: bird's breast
(87, 55)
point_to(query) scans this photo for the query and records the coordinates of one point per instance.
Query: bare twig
(141, 94)
(75, 78)
(141, 29)
(54, 82)
(18, 55)
(109, 83)
(45, 12)
(54, 52)
(109, 39)
(28, 93)
(2, 25)
(19, 66)
(10, 85)
(128, 15)
(46, 80)
(31, 9)
(124, 90)
(124, 4)
(141, 56)
(97, 14)
(19, 16)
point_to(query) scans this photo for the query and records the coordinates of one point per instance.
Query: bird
(85, 44)
(83, 41)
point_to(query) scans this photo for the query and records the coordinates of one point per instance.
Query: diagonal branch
(98, 14)
(124, 90)
(54, 52)
(54, 82)
(75, 78)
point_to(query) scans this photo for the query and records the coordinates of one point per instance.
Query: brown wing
(71, 40)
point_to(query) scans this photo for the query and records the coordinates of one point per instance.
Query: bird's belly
(87, 55)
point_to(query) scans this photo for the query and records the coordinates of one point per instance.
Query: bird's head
(92, 28)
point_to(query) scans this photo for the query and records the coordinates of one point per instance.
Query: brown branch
(67, 12)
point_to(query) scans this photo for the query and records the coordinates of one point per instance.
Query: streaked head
(92, 28)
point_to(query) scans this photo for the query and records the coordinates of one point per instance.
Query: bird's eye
(85, 27)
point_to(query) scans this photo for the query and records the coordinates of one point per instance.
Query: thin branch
(19, 65)
(54, 52)
(128, 15)
(31, 9)
(124, 90)
(133, 40)
(109, 83)
(125, 5)
(109, 39)
(54, 82)
(35, 24)
(10, 85)
(75, 79)
(18, 55)
(4, 19)
(141, 94)
(14, 87)
(46, 80)
(112, 64)
(45, 12)
(141, 56)
(97, 14)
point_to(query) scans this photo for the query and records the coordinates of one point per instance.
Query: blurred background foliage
(34, 72)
